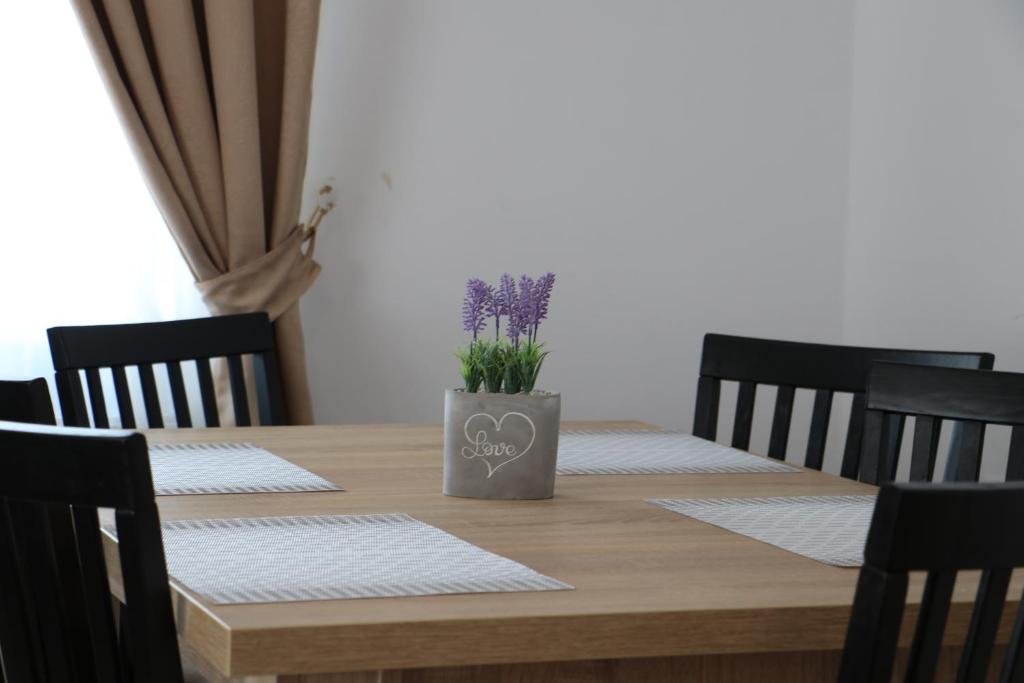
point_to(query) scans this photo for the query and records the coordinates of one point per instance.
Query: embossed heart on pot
(497, 442)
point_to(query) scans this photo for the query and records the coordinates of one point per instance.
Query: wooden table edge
(547, 638)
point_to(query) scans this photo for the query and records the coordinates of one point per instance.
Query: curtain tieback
(273, 283)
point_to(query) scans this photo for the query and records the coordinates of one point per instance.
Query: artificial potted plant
(500, 431)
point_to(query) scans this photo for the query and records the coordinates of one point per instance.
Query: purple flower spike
(527, 305)
(497, 306)
(505, 295)
(508, 302)
(542, 297)
(474, 306)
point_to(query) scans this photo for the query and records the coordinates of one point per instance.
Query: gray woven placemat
(182, 469)
(650, 452)
(829, 529)
(282, 559)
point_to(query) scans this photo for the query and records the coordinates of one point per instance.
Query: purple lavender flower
(474, 306)
(541, 299)
(497, 306)
(527, 308)
(507, 295)
(516, 324)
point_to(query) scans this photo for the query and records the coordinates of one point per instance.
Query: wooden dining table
(658, 596)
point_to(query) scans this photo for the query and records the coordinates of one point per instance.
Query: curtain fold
(215, 97)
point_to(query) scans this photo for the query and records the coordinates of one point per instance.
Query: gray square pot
(500, 445)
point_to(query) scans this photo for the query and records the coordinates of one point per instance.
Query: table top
(649, 582)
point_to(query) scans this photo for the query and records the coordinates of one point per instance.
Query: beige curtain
(215, 96)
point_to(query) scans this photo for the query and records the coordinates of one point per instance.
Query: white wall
(936, 232)
(936, 206)
(682, 167)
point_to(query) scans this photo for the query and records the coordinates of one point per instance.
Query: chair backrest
(973, 398)
(824, 368)
(26, 401)
(118, 347)
(978, 529)
(56, 621)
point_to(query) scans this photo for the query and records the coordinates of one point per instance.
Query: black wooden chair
(974, 398)
(56, 617)
(978, 529)
(23, 401)
(26, 401)
(118, 347)
(825, 368)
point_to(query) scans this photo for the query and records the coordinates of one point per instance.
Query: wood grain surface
(649, 583)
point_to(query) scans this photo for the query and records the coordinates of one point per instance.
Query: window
(81, 240)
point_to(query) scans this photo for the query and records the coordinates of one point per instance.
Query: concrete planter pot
(500, 445)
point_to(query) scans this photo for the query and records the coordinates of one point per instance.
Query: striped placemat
(183, 469)
(654, 452)
(829, 529)
(282, 559)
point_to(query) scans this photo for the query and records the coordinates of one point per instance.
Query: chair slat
(150, 397)
(981, 634)
(876, 429)
(239, 397)
(76, 619)
(38, 569)
(72, 398)
(850, 467)
(705, 419)
(965, 452)
(744, 415)
(880, 447)
(124, 397)
(139, 534)
(931, 624)
(1015, 458)
(180, 399)
(270, 402)
(16, 631)
(1013, 664)
(820, 416)
(874, 627)
(927, 430)
(891, 446)
(207, 392)
(96, 398)
(97, 607)
(779, 439)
